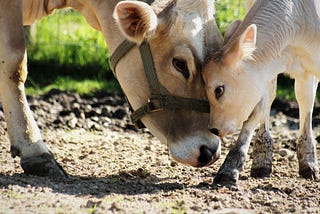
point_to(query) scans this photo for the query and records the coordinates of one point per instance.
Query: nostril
(214, 131)
(206, 156)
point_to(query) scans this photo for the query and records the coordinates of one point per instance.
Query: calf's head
(176, 31)
(235, 80)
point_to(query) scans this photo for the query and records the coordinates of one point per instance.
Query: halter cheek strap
(160, 99)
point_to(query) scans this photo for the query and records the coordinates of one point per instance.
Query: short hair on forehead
(162, 7)
(166, 15)
(215, 57)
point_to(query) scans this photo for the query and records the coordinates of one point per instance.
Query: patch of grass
(86, 86)
(11, 194)
(285, 92)
(66, 53)
(285, 87)
(65, 38)
(93, 209)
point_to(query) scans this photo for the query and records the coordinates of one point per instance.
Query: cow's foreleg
(22, 129)
(234, 162)
(305, 90)
(263, 143)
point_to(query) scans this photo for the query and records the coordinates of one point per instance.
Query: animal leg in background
(263, 143)
(24, 135)
(305, 90)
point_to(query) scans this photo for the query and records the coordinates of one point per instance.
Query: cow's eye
(181, 66)
(219, 91)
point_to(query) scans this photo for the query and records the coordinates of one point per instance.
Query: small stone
(95, 118)
(75, 105)
(284, 152)
(72, 122)
(89, 124)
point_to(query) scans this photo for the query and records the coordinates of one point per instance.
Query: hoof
(310, 172)
(260, 172)
(44, 165)
(226, 178)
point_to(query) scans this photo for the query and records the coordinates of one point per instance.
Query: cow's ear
(135, 19)
(55, 4)
(231, 30)
(242, 47)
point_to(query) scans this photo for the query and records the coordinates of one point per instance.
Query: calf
(276, 36)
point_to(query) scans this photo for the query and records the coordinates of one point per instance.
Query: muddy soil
(115, 168)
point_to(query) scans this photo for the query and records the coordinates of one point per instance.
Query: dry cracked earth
(115, 168)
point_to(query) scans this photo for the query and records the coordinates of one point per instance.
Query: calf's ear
(231, 30)
(242, 47)
(248, 41)
(135, 19)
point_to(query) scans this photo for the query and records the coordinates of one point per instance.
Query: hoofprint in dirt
(116, 169)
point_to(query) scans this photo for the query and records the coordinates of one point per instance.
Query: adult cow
(174, 31)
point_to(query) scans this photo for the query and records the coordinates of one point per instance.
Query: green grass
(285, 93)
(65, 38)
(285, 87)
(86, 86)
(64, 52)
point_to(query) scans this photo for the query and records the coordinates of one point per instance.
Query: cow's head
(178, 34)
(235, 80)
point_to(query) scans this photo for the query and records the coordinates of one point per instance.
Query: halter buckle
(155, 105)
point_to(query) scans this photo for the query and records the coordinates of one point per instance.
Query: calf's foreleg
(24, 134)
(305, 90)
(234, 162)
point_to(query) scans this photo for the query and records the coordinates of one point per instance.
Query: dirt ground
(116, 169)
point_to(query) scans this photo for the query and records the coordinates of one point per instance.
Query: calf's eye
(219, 91)
(181, 66)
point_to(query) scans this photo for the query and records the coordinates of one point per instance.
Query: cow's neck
(98, 13)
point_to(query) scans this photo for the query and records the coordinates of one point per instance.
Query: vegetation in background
(66, 39)
(65, 52)
(84, 86)
(228, 11)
